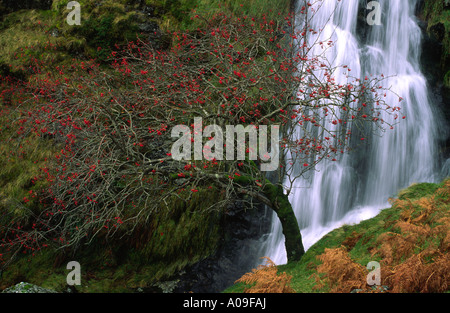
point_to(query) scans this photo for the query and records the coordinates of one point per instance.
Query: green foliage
(103, 25)
(179, 9)
(98, 33)
(206, 8)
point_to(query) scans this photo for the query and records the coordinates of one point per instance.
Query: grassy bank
(410, 240)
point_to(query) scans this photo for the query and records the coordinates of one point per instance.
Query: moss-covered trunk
(291, 230)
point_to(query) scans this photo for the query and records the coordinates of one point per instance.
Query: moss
(156, 251)
(103, 25)
(187, 231)
(286, 215)
(447, 80)
(436, 13)
(418, 191)
(179, 15)
(20, 167)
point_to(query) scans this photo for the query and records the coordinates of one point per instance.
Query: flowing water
(358, 186)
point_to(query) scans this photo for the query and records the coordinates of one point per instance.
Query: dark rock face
(9, 6)
(239, 252)
(432, 52)
(149, 27)
(433, 69)
(362, 27)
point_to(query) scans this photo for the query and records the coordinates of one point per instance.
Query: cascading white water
(358, 186)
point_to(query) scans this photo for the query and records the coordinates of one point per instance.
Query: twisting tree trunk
(291, 230)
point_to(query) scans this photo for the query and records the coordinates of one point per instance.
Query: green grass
(417, 191)
(369, 230)
(20, 164)
(27, 33)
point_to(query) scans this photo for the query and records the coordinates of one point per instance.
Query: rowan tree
(115, 167)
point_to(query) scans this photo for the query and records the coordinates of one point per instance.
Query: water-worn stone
(24, 287)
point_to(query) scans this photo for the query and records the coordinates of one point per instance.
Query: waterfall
(358, 186)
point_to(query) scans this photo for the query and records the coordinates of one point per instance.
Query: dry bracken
(266, 279)
(414, 255)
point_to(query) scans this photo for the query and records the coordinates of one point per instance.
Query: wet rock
(372, 289)
(149, 11)
(434, 67)
(54, 32)
(149, 27)
(239, 252)
(24, 287)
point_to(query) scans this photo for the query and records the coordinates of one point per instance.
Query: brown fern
(340, 272)
(414, 256)
(416, 275)
(265, 279)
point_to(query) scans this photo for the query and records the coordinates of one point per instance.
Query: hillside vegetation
(35, 44)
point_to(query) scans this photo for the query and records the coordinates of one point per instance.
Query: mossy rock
(24, 287)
